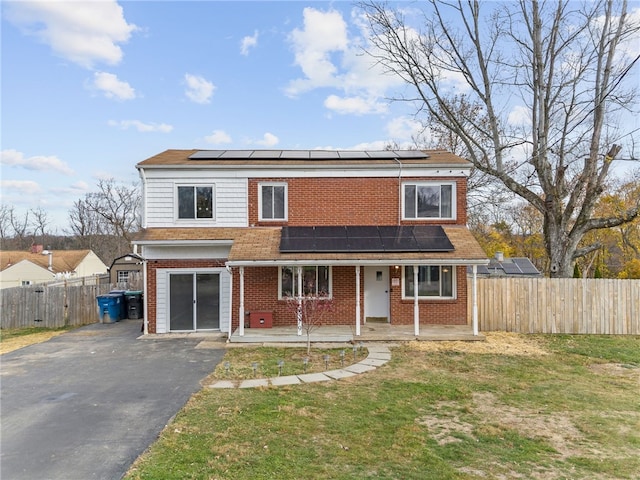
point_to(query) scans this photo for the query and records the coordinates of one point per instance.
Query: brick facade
(348, 201)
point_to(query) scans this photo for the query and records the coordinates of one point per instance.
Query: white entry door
(376, 293)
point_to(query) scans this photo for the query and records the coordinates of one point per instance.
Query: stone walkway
(378, 356)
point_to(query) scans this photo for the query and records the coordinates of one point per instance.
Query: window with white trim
(316, 281)
(272, 201)
(195, 201)
(434, 281)
(426, 200)
(123, 276)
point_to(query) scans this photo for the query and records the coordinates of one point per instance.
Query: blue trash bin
(122, 305)
(109, 307)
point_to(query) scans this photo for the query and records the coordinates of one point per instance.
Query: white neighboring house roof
(18, 266)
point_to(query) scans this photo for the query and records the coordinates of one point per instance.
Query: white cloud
(77, 188)
(268, 140)
(354, 105)
(199, 90)
(140, 126)
(218, 137)
(330, 57)
(322, 35)
(519, 116)
(404, 128)
(248, 42)
(39, 162)
(85, 32)
(109, 84)
(26, 187)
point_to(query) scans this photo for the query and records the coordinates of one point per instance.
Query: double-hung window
(427, 200)
(316, 281)
(433, 281)
(195, 201)
(272, 199)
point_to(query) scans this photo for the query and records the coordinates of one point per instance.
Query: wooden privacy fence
(558, 305)
(50, 306)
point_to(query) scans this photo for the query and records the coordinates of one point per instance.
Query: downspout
(143, 178)
(399, 189)
(145, 292)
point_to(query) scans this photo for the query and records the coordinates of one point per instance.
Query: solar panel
(365, 239)
(526, 266)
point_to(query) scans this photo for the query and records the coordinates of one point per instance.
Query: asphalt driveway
(85, 404)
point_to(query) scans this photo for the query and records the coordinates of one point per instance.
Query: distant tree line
(103, 221)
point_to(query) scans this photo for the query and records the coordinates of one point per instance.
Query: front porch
(369, 332)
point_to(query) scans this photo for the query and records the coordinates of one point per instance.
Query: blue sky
(89, 89)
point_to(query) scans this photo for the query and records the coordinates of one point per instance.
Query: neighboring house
(227, 233)
(39, 266)
(499, 266)
(123, 268)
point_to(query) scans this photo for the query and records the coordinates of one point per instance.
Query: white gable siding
(230, 201)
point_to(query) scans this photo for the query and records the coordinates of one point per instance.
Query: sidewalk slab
(377, 349)
(359, 368)
(338, 374)
(287, 380)
(374, 362)
(313, 377)
(257, 382)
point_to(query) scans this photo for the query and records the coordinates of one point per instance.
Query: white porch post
(416, 308)
(145, 322)
(299, 313)
(241, 309)
(358, 300)
(475, 300)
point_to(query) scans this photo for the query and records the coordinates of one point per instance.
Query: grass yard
(535, 407)
(14, 338)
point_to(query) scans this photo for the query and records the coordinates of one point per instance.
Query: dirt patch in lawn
(616, 369)
(501, 343)
(11, 344)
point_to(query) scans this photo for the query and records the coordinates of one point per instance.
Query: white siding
(230, 202)
(162, 295)
(186, 252)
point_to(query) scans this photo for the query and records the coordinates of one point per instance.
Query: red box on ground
(260, 319)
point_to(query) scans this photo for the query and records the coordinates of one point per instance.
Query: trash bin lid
(133, 292)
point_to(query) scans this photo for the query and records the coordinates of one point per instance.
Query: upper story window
(428, 200)
(433, 281)
(195, 201)
(272, 201)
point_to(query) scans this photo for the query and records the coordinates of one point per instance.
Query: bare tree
(562, 66)
(40, 224)
(19, 226)
(104, 221)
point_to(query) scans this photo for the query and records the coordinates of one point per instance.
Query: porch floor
(369, 332)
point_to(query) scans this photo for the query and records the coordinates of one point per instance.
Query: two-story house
(228, 232)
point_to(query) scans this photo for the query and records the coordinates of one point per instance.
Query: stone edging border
(378, 356)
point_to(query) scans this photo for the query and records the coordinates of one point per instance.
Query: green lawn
(572, 413)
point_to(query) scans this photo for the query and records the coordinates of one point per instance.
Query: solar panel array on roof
(306, 154)
(372, 239)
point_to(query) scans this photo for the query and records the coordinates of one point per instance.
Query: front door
(194, 301)
(376, 293)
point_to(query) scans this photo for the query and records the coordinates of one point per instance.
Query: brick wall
(347, 201)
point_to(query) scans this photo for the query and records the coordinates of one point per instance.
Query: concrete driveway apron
(85, 404)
